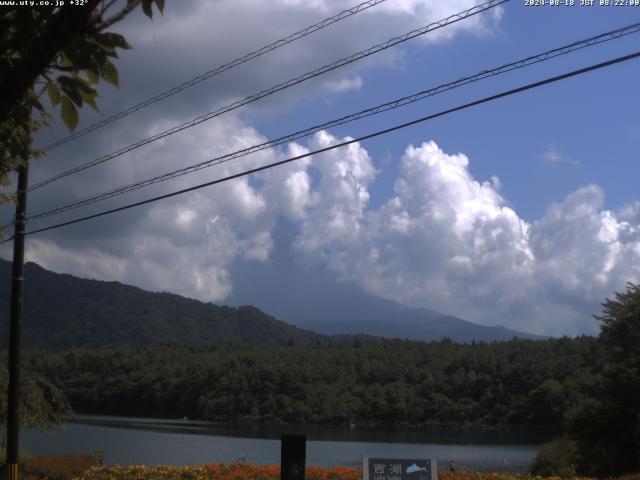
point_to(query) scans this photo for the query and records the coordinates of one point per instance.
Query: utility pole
(13, 427)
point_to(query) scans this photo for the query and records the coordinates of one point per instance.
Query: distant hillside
(418, 325)
(299, 297)
(63, 311)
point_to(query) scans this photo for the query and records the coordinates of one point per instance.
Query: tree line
(443, 385)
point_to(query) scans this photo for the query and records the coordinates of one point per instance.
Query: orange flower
(265, 472)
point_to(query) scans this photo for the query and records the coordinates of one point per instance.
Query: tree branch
(108, 6)
(118, 16)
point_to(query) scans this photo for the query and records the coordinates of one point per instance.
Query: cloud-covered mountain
(310, 297)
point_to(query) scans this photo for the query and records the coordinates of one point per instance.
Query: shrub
(214, 472)
(266, 472)
(63, 467)
(556, 459)
(22, 455)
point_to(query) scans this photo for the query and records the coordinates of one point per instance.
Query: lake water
(133, 441)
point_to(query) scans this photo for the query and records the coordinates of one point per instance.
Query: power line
(289, 83)
(507, 93)
(217, 71)
(531, 60)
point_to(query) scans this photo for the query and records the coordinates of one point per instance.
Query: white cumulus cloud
(450, 242)
(444, 240)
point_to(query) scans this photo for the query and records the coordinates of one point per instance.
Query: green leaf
(54, 94)
(160, 5)
(71, 89)
(82, 85)
(98, 57)
(73, 94)
(69, 113)
(71, 55)
(112, 40)
(89, 99)
(65, 62)
(93, 75)
(109, 73)
(146, 8)
(103, 47)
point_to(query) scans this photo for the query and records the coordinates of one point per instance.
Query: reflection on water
(130, 441)
(313, 432)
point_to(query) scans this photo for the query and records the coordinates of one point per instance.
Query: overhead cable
(289, 83)
(531, 60)
(217, 71)
(507, 93)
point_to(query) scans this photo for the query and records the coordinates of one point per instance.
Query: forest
(439, 385)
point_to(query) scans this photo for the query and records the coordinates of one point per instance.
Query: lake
(133, 441)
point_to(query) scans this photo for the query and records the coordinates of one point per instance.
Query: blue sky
(589, 122)
(522, 212)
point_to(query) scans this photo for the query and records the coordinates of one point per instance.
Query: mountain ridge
(109, 313)
(101, 313)
(444, 326)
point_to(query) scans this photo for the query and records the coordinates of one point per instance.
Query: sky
(522, 212)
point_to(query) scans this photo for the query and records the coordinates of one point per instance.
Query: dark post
(15, 325)
(293, 453)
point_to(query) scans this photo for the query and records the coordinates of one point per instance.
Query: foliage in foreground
(62, 467)
(214, 472)
(252, 472)
(42, 404)
(607, 427)
(78, 467)
(556, 458)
